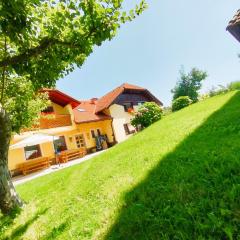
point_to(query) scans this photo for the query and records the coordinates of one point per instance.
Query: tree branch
(33, 52)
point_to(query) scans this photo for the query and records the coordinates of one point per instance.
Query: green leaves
(189, 84)
(22, 103)
(146, 115)
(181, 102)
(125, 17)
(45, 40)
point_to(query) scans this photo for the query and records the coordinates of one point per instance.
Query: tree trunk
(9, 199)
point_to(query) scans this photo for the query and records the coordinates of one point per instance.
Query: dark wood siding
(134, 98)
(235, 31)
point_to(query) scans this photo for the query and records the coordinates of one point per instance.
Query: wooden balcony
(55, 121)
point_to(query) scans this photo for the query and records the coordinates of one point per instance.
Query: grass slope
(178, 179)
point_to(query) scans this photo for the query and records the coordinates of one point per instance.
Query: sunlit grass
(85, 201)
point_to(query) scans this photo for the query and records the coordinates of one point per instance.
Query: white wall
(120, 117)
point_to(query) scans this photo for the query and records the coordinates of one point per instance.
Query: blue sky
(150, 51)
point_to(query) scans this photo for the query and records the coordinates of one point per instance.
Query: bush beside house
(146, 115)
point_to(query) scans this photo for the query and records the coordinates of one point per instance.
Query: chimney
(93, 100)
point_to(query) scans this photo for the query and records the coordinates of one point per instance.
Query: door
(60, 144)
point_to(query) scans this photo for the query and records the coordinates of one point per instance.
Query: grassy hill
(178, 179)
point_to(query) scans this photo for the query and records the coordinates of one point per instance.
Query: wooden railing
(52, 121)
(55, 121)
(67, 155)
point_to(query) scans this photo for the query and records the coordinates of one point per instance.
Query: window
(60, 144)
(32, 152)
(80, 141)
(49, 109)
(127, 106)
(126, 129)
(98, 132)
(141, 103)
(129, 129)
(93, 134)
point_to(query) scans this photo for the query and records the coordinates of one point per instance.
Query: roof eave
(69, 100)
(154, 98)
(235, 31)
(106, 107)
(95, 120)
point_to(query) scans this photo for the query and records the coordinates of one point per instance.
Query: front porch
(41, 163)
(20, 179)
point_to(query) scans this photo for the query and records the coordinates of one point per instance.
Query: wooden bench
(34, 165)
(67, 155)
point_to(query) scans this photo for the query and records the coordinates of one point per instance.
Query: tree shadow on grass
(20, 230)
(56, 231)
(7, 220)
(194, 192)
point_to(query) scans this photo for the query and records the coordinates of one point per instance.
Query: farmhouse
(120, 104)
(69, 128)
(73, 128)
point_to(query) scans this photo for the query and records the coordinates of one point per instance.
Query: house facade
(96, 128)
(72, 121)
(94, 124)
(120, 104)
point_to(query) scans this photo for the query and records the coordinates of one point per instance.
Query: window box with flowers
(131, 111)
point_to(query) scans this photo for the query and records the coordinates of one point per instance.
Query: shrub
(146, 115)
(167, 111)
(180, 103)
(218, 90)
(234, 86)
(204, 96)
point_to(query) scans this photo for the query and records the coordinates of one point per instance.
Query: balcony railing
(50, 121)
(54, 121)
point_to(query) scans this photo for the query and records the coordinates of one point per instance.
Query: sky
(150, 51)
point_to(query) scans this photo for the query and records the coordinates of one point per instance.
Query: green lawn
(178, 179)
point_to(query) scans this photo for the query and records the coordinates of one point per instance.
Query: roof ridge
(106, 100)
(235, 20)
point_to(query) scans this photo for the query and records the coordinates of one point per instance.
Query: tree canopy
(42, 41)
(189, 84)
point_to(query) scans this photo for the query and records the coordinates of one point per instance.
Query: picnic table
(67, 155)
(34, 165)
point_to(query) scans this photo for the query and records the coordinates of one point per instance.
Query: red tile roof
(235, 20)
(91, 110)
(234, 26)
(60, 98)
(105, 101)
(85, 112)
